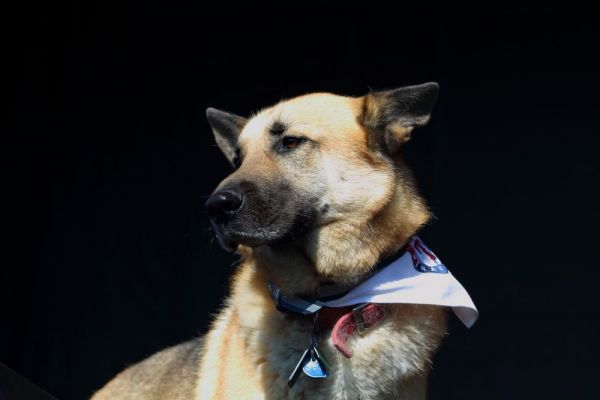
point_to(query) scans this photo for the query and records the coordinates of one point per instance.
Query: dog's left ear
(391, 115)
(226, 127)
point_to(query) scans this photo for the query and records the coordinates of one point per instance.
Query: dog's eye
(291, 142)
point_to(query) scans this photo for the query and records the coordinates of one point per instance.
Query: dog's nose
(222, 205)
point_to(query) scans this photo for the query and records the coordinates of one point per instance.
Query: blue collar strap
(295, 304)
(304, 306)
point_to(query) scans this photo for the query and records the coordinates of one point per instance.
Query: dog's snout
(221, 206)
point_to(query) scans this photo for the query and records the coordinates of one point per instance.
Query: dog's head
(315, 167)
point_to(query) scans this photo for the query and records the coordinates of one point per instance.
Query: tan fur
(374, 209)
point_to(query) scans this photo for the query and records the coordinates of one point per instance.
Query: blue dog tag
(313, 364)
(314, 368)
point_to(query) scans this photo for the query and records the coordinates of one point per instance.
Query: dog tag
(322, 360)
(306, 356)
(314, 367)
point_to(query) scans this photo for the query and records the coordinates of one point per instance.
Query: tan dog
(319, 195)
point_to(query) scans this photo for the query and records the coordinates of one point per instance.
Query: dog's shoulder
(171, 373)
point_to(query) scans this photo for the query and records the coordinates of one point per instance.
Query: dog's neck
(347, 252)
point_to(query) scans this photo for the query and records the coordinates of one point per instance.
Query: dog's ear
(391, 115)
(226, 127)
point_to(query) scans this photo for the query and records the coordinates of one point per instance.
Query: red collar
(345, 321)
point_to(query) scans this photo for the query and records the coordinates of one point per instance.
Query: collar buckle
(358, 317)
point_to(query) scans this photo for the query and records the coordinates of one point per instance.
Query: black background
(107, 160)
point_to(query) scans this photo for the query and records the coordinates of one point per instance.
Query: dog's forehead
(314, 114)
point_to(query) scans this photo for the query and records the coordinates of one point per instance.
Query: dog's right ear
(226, 127)
(391, 115)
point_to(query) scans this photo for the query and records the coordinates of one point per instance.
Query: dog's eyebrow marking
(277, 128)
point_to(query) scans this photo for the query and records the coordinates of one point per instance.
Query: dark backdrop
(107, 160)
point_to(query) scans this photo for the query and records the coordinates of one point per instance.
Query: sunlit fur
(369, 207)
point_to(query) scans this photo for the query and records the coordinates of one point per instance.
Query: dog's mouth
(231, 242)
(255, 232)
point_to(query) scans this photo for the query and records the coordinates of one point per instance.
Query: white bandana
(417, 277)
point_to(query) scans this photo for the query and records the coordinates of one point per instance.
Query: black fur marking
(278, 128)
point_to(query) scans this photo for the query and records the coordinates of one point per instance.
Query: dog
(318, 197)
